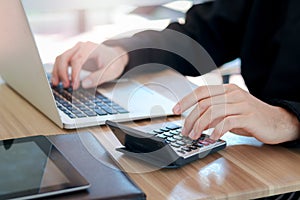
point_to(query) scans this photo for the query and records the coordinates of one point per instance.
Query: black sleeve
(217, 26)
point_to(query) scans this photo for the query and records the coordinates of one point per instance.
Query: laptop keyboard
(182, 145)
(85, 103)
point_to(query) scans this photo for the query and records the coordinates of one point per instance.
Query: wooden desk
(245, 169)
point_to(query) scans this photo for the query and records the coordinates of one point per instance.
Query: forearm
(168, 47)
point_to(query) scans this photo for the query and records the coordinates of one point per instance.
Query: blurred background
(59, 24)
(70, 17)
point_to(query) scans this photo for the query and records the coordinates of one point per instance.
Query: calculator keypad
(182, 145)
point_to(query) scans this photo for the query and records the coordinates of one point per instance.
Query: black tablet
(32, 168)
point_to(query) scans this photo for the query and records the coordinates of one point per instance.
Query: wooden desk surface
(245, 169)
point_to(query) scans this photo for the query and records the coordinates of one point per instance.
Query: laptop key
(90, 113)
(100, 111)
(71, 116)
(80, 115)
(82, 102)
(121, 110)
(109, 110)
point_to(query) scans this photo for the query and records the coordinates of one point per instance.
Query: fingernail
(176, 109)
(87, 83)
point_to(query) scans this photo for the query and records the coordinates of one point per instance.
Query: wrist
(292, 125)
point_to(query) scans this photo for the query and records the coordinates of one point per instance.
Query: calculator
(164, 147)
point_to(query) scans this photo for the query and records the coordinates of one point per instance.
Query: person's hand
(229, 108)
(106, 64)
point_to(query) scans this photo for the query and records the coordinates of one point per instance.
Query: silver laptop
(22, 69)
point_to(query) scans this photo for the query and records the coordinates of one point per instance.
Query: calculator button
(198, 145)
(171, 139)
(187, 149)
(177, 137)
(161, 136)
(164, 129)
(175, 132)
(180, 142)
(158, 131)
(168, 134)
(172, 126)
(175, 145)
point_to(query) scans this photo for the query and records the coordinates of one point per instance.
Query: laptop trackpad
(136, 97)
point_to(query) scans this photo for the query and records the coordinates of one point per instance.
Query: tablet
(33, 167)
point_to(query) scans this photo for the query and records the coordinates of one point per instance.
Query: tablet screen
(33, 167)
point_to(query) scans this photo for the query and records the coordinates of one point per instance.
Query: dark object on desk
(91, 159)
(32, 167)
(164, 147)
(8, 143)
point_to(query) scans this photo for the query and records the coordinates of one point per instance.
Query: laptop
(23, 71)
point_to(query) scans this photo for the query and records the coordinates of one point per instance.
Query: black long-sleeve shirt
(264, 34)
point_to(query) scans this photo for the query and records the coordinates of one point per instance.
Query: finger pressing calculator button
(187, 140)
